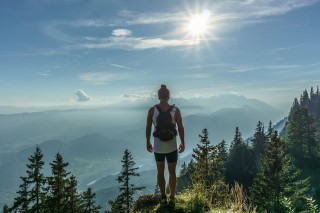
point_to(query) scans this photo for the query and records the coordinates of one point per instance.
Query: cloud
(226, 17)
(82, 96)
(121, 32)
(100, 78)
(131, 43)
(44, 73)
(138, 96)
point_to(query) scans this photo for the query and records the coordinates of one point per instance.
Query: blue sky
(73, 52)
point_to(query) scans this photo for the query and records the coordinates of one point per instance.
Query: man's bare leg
(172, 178)
(160, 177)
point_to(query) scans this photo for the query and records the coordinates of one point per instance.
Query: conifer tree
(6, 209)
(295, 106)
(36, 180)
(124, 201)
(202, 156)
(302, 137)
(277, 180)
(21, 203)
(219, 157)
(185, 179)
(57, 183)
(305, 100)
(239, 166)
(88, 202)
(269, 131)
(183, 169)
(74, 199)
(259, 140)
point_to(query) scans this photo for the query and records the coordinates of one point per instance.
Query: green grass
(185, 203)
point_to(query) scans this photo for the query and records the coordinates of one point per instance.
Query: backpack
(165, 130)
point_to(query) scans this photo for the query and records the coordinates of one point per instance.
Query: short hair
(163, 92)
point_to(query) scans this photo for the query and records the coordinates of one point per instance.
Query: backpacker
(165, 130)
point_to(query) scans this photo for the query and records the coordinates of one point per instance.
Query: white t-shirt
(164, 146)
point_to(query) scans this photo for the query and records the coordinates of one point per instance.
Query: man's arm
(180, 130)
(148, 129)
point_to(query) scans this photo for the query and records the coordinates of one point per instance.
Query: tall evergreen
(36, 180)
(302, 138)
(125, 199)
(21, 203)
(219, 157)
(6, 209)
(57, 183)
(73, 198)
(278, 179)
(239, 166)
(202, 156)
(88, 202)
(259, 140)
(269, 131)
(184, 180)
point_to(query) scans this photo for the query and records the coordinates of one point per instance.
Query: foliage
(124, 201)
(204, 165)
(240, 167)
(57, 184)
(88, 203)
(56, 193)
(277, 179)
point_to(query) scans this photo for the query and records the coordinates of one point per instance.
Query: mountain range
(94, 139)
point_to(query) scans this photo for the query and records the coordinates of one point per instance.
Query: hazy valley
(94, 139)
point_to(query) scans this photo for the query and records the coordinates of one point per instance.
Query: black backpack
(165, 130)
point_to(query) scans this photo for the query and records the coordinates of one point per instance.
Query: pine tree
(57, 183)
(302, 137)
(74, 199)
(304, 99)
(202, 156)
(259, 140)
(124, 201)
(183, 169)
(36, 180)
(295, 106)
(184, 180)
(240, 166)
(277, 179)
(269, 131)
(6, 209)
(88, 202)
(21, 203)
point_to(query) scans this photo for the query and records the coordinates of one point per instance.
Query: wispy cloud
(100, 78)
(197, 75)
(136, 43)
(44, 73)
(127, 68)
(281, 49)
(227, 16)
(236, 69)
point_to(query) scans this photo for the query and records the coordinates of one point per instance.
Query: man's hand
(149, 147)
(181, 147)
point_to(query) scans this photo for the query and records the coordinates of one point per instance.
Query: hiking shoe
(172, 202)
(163, 201)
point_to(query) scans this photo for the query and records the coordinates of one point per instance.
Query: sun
(198, 24)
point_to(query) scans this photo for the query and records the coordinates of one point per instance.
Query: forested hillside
(272, 172)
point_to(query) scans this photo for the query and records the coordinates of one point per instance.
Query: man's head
(163, 92)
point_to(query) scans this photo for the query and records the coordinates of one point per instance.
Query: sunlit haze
(93, 53)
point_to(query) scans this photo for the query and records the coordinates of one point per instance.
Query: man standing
(165, 118)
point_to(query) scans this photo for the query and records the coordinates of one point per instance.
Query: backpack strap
(161, 111)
